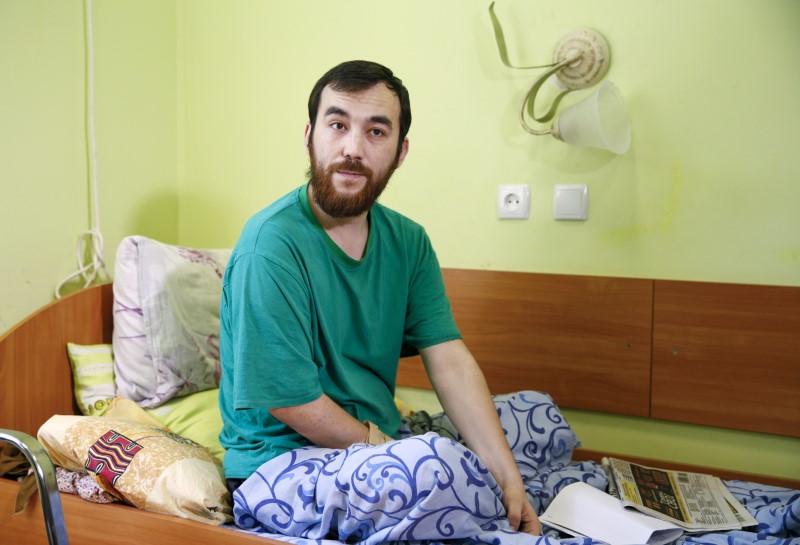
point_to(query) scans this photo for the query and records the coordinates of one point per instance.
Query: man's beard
(336, 204)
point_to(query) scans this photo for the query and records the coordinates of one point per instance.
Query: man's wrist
(374, 434)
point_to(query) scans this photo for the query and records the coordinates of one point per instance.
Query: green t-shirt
(299, 317)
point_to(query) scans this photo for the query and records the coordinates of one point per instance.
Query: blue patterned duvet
(428, 488)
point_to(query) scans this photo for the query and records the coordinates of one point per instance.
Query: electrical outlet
(513, 201)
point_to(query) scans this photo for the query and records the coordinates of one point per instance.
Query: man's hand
(462, 390)
(374, 435)
(520, 512)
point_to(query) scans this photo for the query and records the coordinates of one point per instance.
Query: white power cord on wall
(90, 252)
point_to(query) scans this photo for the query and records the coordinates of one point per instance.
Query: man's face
(353, 149)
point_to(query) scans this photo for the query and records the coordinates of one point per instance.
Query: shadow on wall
(214, 220)
(155, 217)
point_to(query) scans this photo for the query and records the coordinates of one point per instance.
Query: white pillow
(166, 319)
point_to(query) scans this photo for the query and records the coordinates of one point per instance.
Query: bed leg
(46, 482)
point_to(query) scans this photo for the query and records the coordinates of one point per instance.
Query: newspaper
(694, 501)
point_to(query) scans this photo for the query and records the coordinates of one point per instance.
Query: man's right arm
(323, 422)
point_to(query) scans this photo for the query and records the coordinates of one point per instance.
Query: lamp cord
(501, 43)
(89, 250)
(530, 96)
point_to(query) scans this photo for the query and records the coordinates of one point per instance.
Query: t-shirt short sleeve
(271, 321)
(429, 319)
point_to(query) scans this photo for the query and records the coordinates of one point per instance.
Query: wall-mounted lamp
(580, 60)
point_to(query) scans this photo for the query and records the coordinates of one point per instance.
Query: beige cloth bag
(143, 465)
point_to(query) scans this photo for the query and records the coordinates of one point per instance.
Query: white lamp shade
(598, 121)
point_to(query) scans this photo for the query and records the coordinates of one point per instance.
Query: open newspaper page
(694, 501)
(579, 509)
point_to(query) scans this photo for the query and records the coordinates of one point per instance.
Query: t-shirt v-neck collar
(338, 253)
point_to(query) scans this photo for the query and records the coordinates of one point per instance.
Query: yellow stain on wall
(662, 227)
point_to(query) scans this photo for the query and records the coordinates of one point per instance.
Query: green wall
(707, 191)
(44, 158)
(201, 111)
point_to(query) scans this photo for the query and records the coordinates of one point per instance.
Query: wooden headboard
(725, 355)
(34, 367)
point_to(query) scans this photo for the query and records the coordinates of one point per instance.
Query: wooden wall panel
(585, 340)
(727, 355)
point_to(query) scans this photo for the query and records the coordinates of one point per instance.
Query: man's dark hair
(354, 76)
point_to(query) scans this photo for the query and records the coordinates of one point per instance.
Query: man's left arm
(462, 391)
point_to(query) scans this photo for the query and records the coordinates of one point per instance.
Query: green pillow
(195, 417)
(93, 376)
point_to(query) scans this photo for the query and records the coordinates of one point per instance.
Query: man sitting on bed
(323, 293)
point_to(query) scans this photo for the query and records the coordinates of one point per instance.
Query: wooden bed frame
(617, 345)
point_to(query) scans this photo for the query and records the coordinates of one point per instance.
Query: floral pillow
(166, 320)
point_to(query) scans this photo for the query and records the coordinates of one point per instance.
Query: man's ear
(403, 152)
(308, 135)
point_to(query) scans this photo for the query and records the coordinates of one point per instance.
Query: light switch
(571, 202)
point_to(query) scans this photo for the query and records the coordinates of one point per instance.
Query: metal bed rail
(45, 474)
